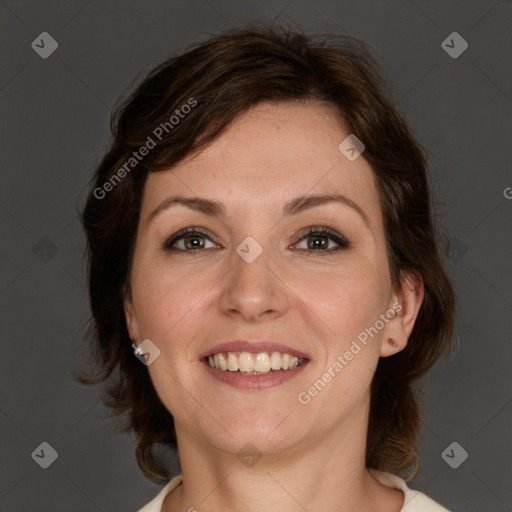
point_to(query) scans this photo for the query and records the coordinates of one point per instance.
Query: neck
(324, 473)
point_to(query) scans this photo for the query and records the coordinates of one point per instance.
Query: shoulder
(155, 505)
(415, 501)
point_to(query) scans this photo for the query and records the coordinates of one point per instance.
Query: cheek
(153, 302)
(348, 302)
(166, 294)
(171, 306)
(348, 299)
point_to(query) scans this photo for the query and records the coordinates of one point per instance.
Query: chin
(268, 435)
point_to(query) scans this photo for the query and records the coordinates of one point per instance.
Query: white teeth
(232, 362)
(262, 363)
(222, 362)
(245, 362)
(275, 361)
(253, 364)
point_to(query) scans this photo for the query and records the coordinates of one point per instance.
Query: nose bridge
(251, 287)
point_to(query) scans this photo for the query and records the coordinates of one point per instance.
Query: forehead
(269, 154)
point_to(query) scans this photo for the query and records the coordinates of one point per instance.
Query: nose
(254, 290)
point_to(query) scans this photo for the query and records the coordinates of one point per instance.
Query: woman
(264, 278)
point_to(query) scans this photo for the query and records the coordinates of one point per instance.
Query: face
(302, 277)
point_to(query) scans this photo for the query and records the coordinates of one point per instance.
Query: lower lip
(268, 380)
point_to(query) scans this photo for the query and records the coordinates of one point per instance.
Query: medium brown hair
(226, 76)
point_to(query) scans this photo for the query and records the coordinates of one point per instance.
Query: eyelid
(182, 233)
(324, 230)
(338, 238)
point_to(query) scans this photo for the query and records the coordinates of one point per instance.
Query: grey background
(55, 115)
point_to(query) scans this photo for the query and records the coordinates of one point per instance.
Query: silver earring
(136, 350)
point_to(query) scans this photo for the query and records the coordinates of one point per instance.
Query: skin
(312, 456)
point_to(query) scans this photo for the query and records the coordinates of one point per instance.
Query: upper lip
(255, 347)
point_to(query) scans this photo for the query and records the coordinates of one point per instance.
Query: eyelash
(320, 232)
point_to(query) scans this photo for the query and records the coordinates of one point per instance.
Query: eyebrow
(292, 207)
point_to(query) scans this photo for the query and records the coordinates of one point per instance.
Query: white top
(415, 501)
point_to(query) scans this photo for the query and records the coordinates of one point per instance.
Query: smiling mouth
(253, 364)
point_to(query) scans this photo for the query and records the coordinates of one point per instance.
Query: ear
(406, 303)
(130, 315)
